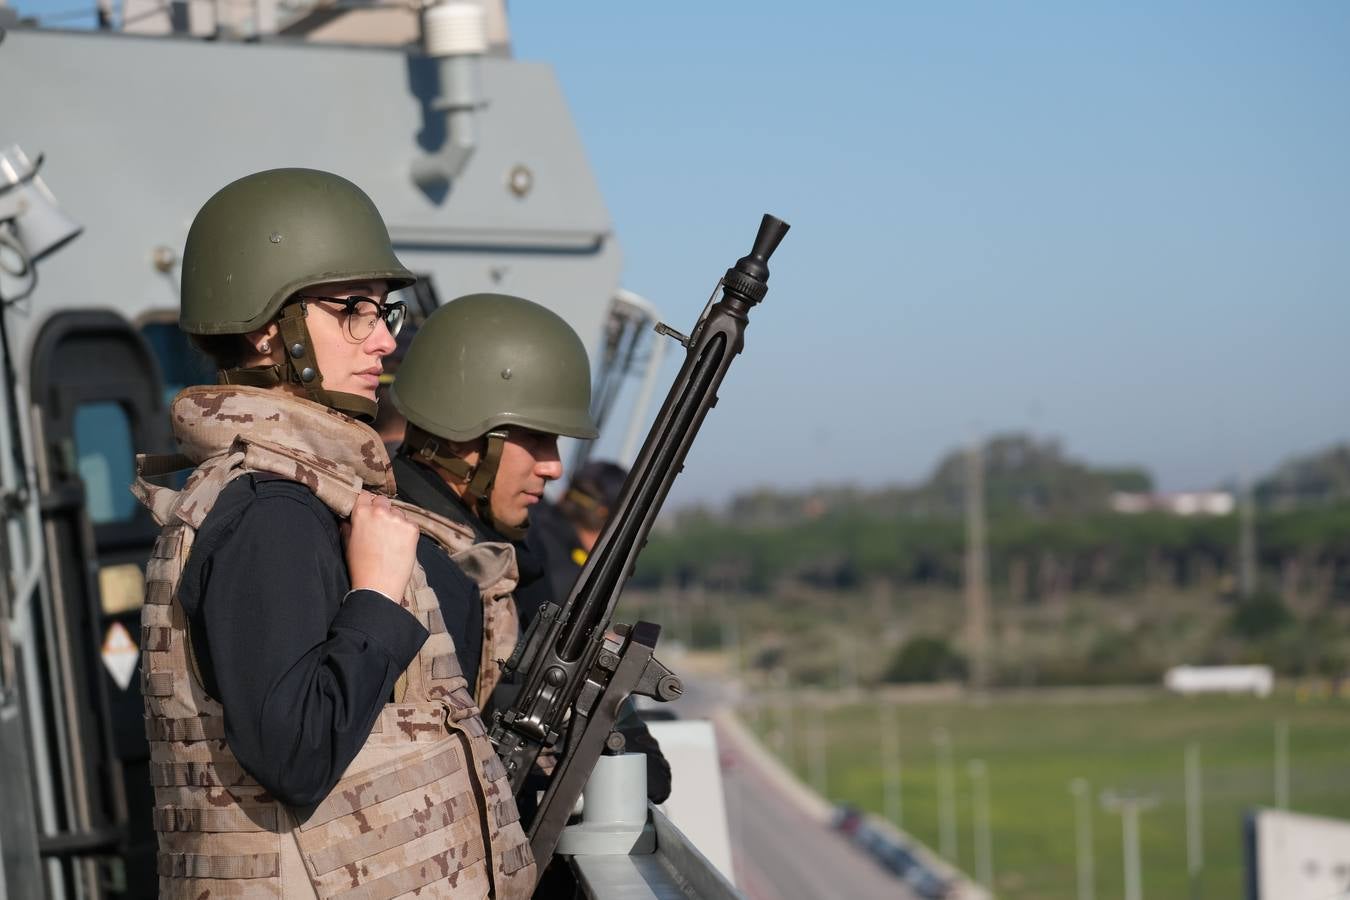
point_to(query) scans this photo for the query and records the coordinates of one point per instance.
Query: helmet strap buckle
(429, 450)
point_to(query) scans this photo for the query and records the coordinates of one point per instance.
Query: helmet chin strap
(477, 479)
(301, 368)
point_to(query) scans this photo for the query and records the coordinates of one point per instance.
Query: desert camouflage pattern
(425, 809)
(501, 633)
(487, 564)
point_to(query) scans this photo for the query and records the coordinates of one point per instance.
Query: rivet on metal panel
(520, 180)
(164, 258)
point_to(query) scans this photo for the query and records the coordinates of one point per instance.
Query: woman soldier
(310, 730)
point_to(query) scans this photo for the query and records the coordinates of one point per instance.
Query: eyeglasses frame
(349, 304)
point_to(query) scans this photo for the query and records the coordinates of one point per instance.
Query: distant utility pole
(890, 764)
(848, 665)
(1195, 828)
(1281, 764)
(731, 645)
(1129, 808)
(667, 602)
(946, 786)
(818, 762)
(984, 839)
(1247, 541)
(1082, 820)
(671, 617)
(977, 575)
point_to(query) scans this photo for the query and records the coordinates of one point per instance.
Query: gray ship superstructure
(111, 140)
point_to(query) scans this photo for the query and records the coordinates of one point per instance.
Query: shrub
(925, 658)
(1260, 615)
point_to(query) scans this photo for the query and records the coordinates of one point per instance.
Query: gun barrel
(566, 661)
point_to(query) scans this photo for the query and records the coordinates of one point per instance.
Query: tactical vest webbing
(425, 806)
(501, 618)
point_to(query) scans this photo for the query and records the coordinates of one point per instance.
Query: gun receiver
(569, 666)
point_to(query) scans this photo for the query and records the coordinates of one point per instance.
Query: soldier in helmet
(310, 732)
(488, 386)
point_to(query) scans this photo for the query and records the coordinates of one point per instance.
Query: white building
(1258, 680)
(1180, 503)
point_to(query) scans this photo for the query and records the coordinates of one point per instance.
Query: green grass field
(1033, 748)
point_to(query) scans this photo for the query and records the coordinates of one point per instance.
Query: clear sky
(1124, 225)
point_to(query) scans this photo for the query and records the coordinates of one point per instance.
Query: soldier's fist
(381, 546)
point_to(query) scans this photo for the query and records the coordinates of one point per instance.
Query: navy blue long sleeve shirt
(301, 664)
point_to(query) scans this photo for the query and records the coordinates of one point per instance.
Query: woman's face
(348, 364)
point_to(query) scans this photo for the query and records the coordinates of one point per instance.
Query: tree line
(1051, 532)
(1303, 552)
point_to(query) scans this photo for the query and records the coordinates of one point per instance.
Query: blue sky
(1126, 226)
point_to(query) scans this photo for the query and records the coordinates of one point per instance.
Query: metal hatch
(96, 400)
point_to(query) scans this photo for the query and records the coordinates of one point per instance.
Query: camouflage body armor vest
(501, 618)
(501, 633)
(425, 808)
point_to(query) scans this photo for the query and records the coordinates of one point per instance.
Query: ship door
(98, 399)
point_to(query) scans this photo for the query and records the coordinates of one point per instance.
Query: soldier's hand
(381, 546)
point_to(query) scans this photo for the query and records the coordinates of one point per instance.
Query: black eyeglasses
(361, 314)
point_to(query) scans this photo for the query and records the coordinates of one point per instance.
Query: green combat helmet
(480, 364)
(267, 236)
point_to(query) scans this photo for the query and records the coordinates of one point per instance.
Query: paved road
(781, 853)
(781, 849)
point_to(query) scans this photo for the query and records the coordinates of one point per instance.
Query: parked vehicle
(891, 854)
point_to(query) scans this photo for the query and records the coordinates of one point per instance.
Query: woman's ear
(265, 343)
(264, 339)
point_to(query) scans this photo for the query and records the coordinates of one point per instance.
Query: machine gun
(569, 665)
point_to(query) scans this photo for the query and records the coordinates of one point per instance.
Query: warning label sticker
(120, 654)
